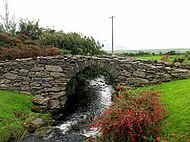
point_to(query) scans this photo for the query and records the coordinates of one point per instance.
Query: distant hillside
(178, 50)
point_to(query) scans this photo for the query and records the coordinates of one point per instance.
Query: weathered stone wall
(46, 77)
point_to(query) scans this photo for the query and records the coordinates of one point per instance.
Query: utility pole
(112, 32)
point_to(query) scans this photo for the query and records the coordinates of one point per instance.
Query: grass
(176, 127)
(15, 113)
(156, 57)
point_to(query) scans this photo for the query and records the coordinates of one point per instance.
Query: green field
(15, 112)
(176, 127)
(156, 57)
(157, 51)
(180, 54)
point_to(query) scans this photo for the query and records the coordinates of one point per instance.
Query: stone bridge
(46, 77)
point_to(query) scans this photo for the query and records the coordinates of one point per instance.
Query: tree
(30, 28)
(7, 23)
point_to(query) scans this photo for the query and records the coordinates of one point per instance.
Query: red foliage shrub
(164, 57)
(23, 37)
(8, 53)
(134, 116)
(25, 52)
(35, 51)
(51, 51)
(9, 40)
(31, 51)
(21, 46)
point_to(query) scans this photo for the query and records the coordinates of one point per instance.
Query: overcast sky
(138, 24)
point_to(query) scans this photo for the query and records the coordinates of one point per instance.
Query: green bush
(73, 42)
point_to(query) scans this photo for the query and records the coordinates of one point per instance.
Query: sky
(138, 24)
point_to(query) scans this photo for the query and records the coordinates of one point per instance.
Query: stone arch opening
(79, 81)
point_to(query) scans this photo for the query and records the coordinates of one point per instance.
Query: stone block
(40, 100)
(34, 84)
(5, 81)
(23, 71)
(10, 76)
(37, 69)
(53, 68)
(139, 74)
(25, 92)
(138, 80)
(58, 95)
(57, 74)
(53, 104)
(25, 88)
(53, 89)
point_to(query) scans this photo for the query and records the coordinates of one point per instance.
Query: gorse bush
(135, 116)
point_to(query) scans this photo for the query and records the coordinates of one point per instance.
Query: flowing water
(83, 107)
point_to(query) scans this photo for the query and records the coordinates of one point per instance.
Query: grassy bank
(15, 113)
(176, 127)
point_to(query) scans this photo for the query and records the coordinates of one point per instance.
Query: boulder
(35, 124)
(38, 122)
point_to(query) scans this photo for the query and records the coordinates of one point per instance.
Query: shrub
(23, 37)
(50, 51)
(9, 40)
(30, 51)
(29, 28)
(8, 53)
(135, 116)
(164, 57)
(74, 43)
(179, 59)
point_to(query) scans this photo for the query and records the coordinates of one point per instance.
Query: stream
(83, 106)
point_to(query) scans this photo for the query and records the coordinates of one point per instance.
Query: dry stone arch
(46, 77)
